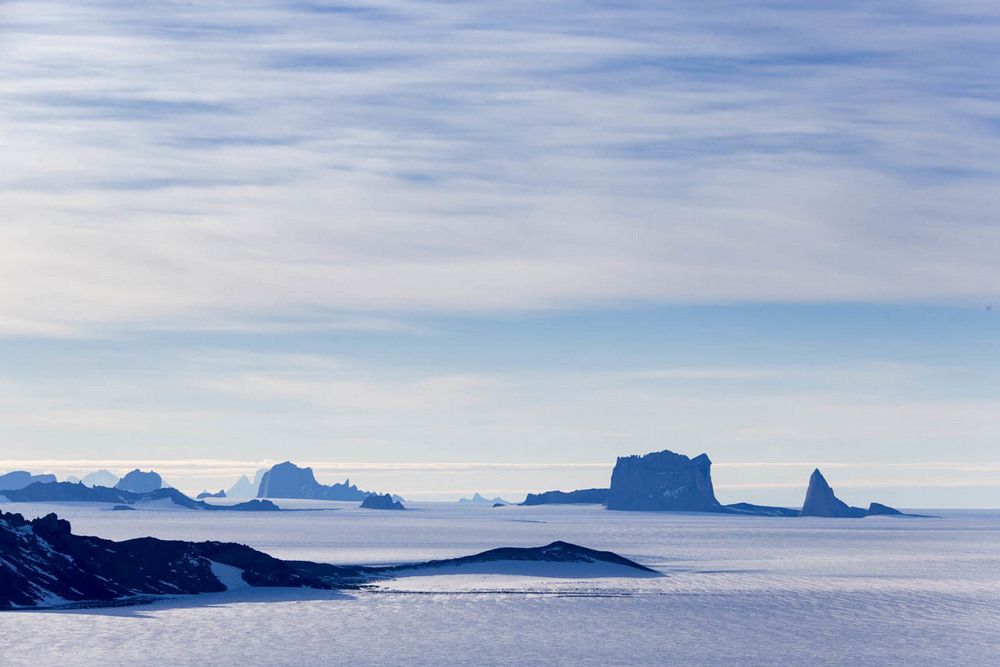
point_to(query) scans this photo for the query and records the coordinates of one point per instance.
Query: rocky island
(287, 480)
(45, 565)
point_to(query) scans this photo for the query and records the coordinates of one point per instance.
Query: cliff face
(287, 480)
(663, 481)
(821, 501)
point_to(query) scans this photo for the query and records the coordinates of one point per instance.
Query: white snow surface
(737, 591)
(229, 576)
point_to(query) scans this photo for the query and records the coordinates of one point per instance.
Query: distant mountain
(381, 502)
(243, 488)
(580, 496)
(477, 499)
(221, 493)
(138, 481)
(19, 479)
(67, 492)
(100, 478)
(663, 481)
(287, 480)
(821, 501)
(46, 565)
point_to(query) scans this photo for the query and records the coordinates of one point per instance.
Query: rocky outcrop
(221, 493)
(663, 481)
(759, 510)
(381, 502)
(287, 480)
(821, 501)
(67, 492)
(556, 552)
(18, 479)
(138, 481)
(580, 496)
(45, 565)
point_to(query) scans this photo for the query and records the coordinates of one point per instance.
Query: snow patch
(229, 576)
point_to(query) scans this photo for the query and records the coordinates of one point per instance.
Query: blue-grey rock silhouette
(478, 499)
(138, 481)
(68, 492)
(580, 496)
(821, 501)
(381, 502)
(287, 480)
(18, 479)
(221, 493)
(46, 565)
(663, 481)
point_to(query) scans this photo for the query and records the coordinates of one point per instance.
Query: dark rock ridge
(138, 481)
(67, 492)
(663, 481)
(759, 510)
(580, 496)
(556, 552)
(381, 502)
(18, 479)
(43, 564)
(821, 501)
(287, 480)
(221, 493)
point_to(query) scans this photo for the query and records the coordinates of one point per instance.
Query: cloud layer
(284, 163)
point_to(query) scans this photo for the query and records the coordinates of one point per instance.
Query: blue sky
(403, 239)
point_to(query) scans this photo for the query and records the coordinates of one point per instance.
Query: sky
(446, 247)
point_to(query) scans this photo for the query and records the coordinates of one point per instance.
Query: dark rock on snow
(381, 502)
(45, 565)
(580, 496)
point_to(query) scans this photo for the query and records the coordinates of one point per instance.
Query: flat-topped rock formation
(381, 502)
(578, 497)
(663, 481)
(138, 481)
(287, 480)
(46, 565)
(18, 479)
(221, 493)
(169, 497)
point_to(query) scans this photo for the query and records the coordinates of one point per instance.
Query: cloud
(178, 165)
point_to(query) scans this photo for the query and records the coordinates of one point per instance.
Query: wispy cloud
(213, 165)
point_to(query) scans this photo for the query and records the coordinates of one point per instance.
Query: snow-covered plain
(738, 591)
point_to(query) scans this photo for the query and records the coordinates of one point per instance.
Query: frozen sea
(737, 591)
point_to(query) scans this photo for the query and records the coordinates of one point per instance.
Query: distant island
(40, 492)
(381, 502)
(669, 482)
(47, 565)
(287, 480)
